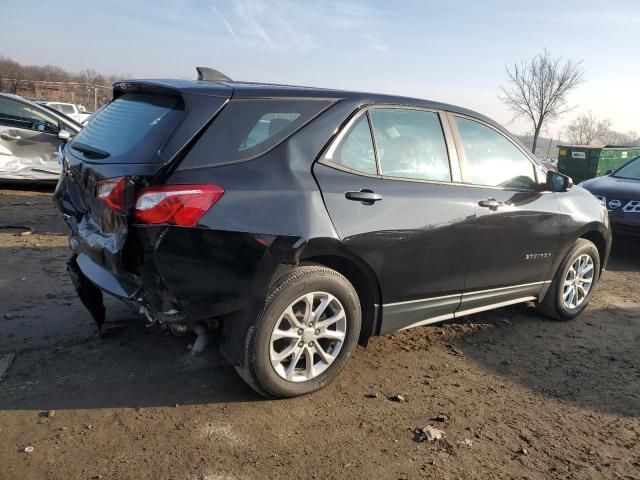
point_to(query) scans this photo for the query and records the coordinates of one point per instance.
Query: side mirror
(64, 135)
(609, 172)
(557, 182)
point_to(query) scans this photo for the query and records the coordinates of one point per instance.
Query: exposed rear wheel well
(598, 240)
(367, 289)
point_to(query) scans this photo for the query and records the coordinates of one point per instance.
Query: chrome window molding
(326, 157)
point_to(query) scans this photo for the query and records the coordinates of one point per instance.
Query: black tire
(552, 305)
(258, 371)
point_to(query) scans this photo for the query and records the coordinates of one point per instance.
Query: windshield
(630, 170)
(130, 129)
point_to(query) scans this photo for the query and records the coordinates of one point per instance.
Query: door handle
(490, 203)
(8, 136)
(367, 197)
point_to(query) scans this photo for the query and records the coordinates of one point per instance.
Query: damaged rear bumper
(125, 289)
(89, 294)
(91, 280)
(170, 273)
(181, 275)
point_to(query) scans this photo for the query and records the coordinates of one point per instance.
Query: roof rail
(211, 75)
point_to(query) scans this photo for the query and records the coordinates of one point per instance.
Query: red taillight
(180, 205)
(111, 192)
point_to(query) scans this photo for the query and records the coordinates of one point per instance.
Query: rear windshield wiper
(89, 151)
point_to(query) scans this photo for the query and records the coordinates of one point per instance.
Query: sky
(453, 51)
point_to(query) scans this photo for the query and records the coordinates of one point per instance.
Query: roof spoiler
(211, 75)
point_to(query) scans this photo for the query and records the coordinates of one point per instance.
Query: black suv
(302, 221)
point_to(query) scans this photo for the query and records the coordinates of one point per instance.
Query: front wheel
(574, 282)
(307, 332)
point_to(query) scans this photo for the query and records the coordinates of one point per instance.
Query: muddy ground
(524, 397)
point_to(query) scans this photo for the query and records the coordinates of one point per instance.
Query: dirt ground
(523, 397)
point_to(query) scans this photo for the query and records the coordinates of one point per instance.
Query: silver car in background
(29, 139)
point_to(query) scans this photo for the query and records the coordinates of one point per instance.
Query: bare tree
(88, 75)
(13, 72)
(587, 129)
(538, 89)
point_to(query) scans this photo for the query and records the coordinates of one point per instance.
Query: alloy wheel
(308, 337)
(578, 282)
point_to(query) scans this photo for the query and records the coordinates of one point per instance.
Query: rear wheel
(306, 334)
(573, 283)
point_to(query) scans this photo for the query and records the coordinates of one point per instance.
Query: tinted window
(355, 151)
(491, 159)
(248, 128)
(22, 115)
(410, 144)
(630, 170)
(131, 128)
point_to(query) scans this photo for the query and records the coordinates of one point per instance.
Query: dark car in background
(303, 221)
(29, 139)
(619, 192)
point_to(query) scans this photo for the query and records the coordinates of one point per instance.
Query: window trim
(463, 155)
(339, 138)
(373, 142)
(448, 136)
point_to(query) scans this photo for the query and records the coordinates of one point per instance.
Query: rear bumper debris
(90, 295)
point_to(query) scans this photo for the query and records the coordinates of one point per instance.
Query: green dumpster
(582, 162)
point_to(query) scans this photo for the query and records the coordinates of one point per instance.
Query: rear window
(67, 109)
(248, 128)
(130, 129)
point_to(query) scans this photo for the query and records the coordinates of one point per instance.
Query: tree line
(53, 83)
(14, 72)
(588, 129)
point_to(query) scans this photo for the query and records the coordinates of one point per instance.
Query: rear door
(400, 206)
(517, 224)
(28, 142)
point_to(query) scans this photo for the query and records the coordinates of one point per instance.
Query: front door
(517, 223)
(395, 206)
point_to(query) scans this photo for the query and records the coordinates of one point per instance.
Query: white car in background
(76, 112)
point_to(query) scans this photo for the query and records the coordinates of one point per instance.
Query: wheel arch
(332, 254)
(598, 239)
(595, 232)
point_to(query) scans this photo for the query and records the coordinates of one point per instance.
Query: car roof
(243, 89)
